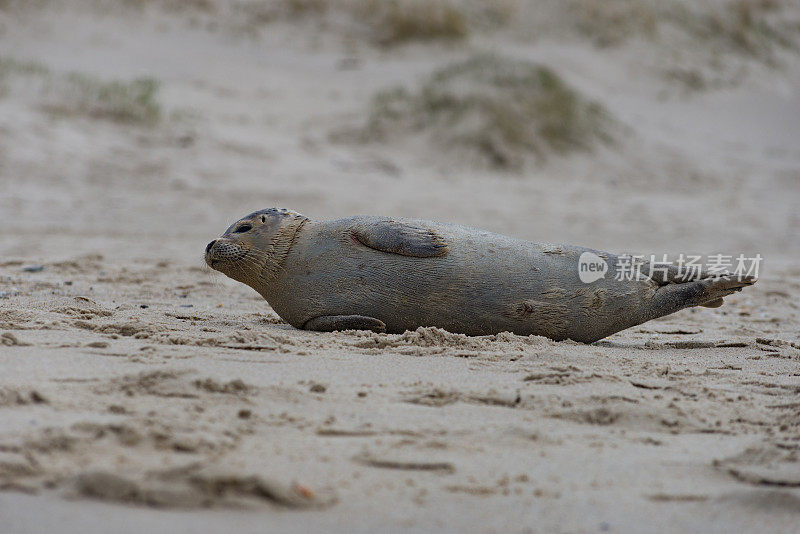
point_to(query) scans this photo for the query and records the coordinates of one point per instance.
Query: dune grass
(397, 22)
(10, 67)
(750, 27)
(118, 101)
(383, 22)
(75, 94)
(502, 110)
(611, 22)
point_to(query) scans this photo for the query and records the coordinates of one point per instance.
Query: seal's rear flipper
(332, 323)
(715, 288)
(397, 237)
(707, 292)
(714, 303)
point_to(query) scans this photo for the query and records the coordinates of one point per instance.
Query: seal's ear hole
(243, 228)
(263, 218)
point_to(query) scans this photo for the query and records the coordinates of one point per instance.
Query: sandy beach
(142, 391)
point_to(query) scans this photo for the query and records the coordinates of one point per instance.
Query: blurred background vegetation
(321, 105)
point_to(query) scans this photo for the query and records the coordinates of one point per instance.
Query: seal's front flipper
(396, 237)
(332, 323)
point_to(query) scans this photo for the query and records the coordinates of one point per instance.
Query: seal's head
(253, 248)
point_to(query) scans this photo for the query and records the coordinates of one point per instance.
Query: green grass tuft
(129, 102)
(133, 102)
(10, 67)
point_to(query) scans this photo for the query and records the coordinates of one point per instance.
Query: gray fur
(406, 273)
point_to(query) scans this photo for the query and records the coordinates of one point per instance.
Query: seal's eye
(263, 218)
(243, 228)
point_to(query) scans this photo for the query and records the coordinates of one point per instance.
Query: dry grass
(611, 22)
(752, 27)
(396, 22)
(383, 22)
(304, 7)
(387, 22)
(501, 110)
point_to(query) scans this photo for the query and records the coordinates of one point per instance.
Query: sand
(141, 391)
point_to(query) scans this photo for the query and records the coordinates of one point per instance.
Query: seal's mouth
(235, 260)
(209, 256)
(221, 252)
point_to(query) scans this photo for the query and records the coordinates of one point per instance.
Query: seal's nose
(208, 247)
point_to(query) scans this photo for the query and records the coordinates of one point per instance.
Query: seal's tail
(697, 288)
(715, 288)
(707, 292)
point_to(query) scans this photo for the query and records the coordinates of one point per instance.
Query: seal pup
(392, 275)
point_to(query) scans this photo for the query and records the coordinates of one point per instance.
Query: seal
(392, 274)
